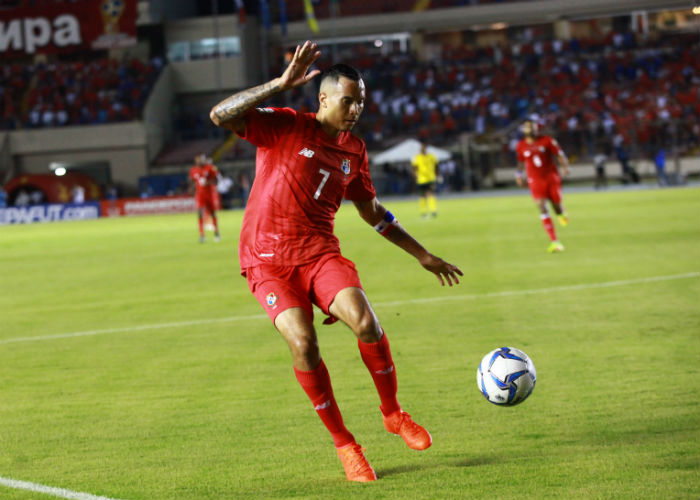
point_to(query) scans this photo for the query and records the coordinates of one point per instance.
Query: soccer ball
(506, 376)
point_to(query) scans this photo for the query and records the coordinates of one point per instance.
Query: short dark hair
(338, 70)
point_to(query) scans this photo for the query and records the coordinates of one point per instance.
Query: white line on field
(564, 288)
(49, 490)
(505, 293)
(134, 328)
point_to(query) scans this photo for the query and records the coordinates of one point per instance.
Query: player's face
(342, 103)
(529, 129)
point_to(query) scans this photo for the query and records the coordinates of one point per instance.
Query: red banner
(147, 206)
(69, 26)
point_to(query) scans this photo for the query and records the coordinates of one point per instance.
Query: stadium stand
(58, 93)
(457, 73)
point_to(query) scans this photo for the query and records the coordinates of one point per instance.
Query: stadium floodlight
(696, 10)
(58, 168)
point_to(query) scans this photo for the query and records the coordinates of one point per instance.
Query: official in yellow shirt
(425, 172)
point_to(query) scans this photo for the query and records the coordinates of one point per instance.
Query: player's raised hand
(296, 73)
(443, 270)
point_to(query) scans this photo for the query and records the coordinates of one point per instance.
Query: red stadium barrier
(55, 189)
(147, 206)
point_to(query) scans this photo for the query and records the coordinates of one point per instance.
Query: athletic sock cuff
(311, 377)
(375, 349)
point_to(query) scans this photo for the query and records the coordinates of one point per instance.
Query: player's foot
(401, 423)
(425, 216)
(202, 239)
(217, 238)
(434, 214)
(555, 246)
(563, 220)
(355, 464)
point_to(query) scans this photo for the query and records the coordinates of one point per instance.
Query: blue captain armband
(387, 223)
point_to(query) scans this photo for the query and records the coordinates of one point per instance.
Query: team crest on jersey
(345, 166)
(271, 300)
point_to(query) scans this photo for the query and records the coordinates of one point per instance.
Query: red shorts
(548, 188)
(206, 202)
(279, 288)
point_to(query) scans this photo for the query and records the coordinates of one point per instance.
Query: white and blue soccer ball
(506, 376)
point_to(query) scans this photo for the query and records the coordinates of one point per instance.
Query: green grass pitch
(135, 364)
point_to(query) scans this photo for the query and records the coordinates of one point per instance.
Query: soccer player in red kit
(537, 153)
(306, 164)
(203, 177)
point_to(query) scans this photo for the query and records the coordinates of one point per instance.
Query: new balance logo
(307, 152)
(385, 372)
(323, 406)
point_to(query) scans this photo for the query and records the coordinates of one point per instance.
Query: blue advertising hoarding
(50, 213)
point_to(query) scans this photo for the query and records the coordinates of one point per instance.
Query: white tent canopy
(405, 151)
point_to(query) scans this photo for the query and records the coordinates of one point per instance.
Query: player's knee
(366, 326)
(304, 348)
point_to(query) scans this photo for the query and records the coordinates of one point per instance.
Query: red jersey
(538, 156)
(301, 176)
(204, 177)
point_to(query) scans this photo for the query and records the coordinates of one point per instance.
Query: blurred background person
(537, 154)
(203, 184)
(425, 172)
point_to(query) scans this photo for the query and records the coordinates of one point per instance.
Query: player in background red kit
(203, 178)
(306, 164)
(537, 153)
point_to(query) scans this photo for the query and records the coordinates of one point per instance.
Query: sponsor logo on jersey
(307, 153)
(265, 110)
(345, 166)
(271, 300)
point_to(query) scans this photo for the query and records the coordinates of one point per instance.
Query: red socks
(548, 226)
(378, 359)
(201, 227)
(317, 385)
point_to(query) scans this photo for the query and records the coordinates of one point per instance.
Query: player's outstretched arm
(384, 222)
(230, 113)
(564, 164)
(519, 175)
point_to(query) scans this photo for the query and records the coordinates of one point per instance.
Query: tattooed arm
(230, 113)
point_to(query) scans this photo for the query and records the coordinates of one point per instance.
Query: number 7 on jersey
(325, 174)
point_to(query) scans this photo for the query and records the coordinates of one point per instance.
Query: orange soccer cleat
(355, 464)
(401, 423)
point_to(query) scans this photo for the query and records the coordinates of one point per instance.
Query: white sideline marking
(133, 328)
(505, 293)
(49, 490)
(564, 288)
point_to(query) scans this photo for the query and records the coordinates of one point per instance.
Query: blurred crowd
(588, 91)
(55, 94)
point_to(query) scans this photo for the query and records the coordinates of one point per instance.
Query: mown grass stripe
(424, 300)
